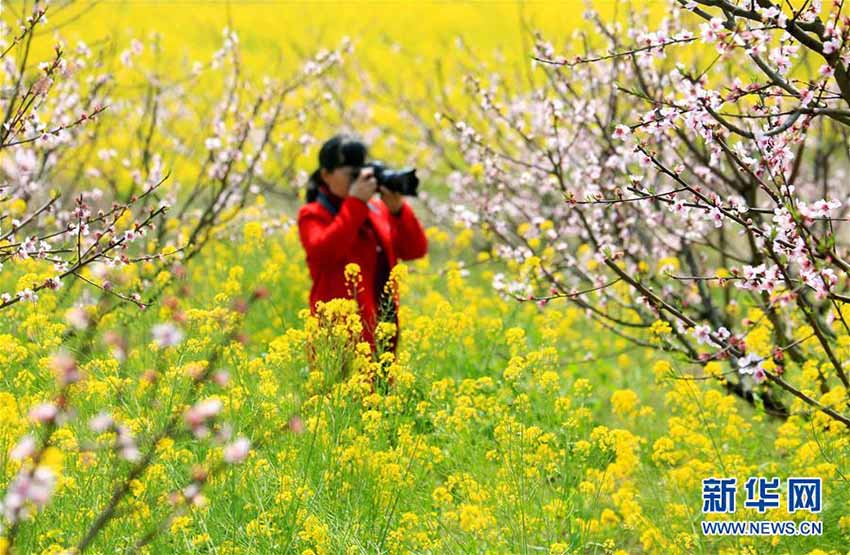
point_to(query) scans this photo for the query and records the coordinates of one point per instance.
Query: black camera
(400, 181)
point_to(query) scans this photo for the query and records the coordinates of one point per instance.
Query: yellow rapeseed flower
(624, 402)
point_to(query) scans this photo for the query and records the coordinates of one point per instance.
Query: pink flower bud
(101, 422)
(209, 407)
(65, 368)
(25, 448)
(131, 453)
(191, 491)
(296, 425)
(167, 334)
(77, 317)
(237, 451)
(43, 413)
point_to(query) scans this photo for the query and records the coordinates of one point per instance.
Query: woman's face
(339, 180)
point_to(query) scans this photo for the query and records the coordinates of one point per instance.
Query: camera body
(402, 181)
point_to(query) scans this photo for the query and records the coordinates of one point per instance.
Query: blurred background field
(401, 49)
(395, 36)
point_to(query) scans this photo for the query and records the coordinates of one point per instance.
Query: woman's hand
(393, 200)
(364, 186)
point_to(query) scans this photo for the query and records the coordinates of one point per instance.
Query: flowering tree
(697, 209)
(35, 455)
(71, 231)
(86, 203)
(85, 185)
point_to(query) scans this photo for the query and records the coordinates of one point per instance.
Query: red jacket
(332, 241)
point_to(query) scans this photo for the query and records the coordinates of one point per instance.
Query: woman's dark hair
(342, 149)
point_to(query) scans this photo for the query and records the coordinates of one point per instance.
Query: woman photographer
(341, 224)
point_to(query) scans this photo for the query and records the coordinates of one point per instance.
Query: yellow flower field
(508, 429)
